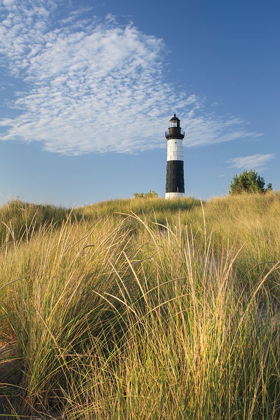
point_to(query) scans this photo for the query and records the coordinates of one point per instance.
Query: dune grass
(19, 220)
(144, 309)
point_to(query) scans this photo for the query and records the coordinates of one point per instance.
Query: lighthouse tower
(175, 160)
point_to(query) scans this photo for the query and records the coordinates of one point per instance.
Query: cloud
(8, 2)
(95, 86)
(257, 161)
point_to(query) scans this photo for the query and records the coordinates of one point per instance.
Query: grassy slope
(142, 308)
(19, 220)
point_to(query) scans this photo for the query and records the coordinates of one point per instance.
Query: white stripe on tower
(175, 149)
(175, 160)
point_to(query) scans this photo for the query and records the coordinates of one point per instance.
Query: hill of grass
(137, 309)
(19, 220)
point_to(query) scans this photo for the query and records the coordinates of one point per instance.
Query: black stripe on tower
(175, 176)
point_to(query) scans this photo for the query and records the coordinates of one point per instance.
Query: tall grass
(19, 219)
(126, 316)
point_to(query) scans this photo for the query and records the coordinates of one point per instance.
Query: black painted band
(175, 176)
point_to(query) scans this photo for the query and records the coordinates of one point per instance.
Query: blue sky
(88, 88)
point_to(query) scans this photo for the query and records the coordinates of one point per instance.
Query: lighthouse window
(173, 124)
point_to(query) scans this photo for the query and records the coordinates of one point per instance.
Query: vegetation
(19, 219)
(143, 309)
(150, 194)
(249, 182)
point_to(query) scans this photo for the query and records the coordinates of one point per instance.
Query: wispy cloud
(95, 86)
(257, 161)
(8, 2)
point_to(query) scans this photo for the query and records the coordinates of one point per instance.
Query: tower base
(169, 195)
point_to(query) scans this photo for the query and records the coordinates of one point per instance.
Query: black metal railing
(175, 132)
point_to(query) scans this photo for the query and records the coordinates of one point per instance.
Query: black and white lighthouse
(175, 160)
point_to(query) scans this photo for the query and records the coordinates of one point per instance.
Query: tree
(269, 187)
(249, 182)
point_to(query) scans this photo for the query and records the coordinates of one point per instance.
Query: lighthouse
(175, 160)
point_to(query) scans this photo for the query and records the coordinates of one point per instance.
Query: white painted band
(174, 195)
(175, 149)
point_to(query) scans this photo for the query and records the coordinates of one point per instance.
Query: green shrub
(150, 194)
(249, 182)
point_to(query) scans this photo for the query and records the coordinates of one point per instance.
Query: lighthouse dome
(174, 118)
